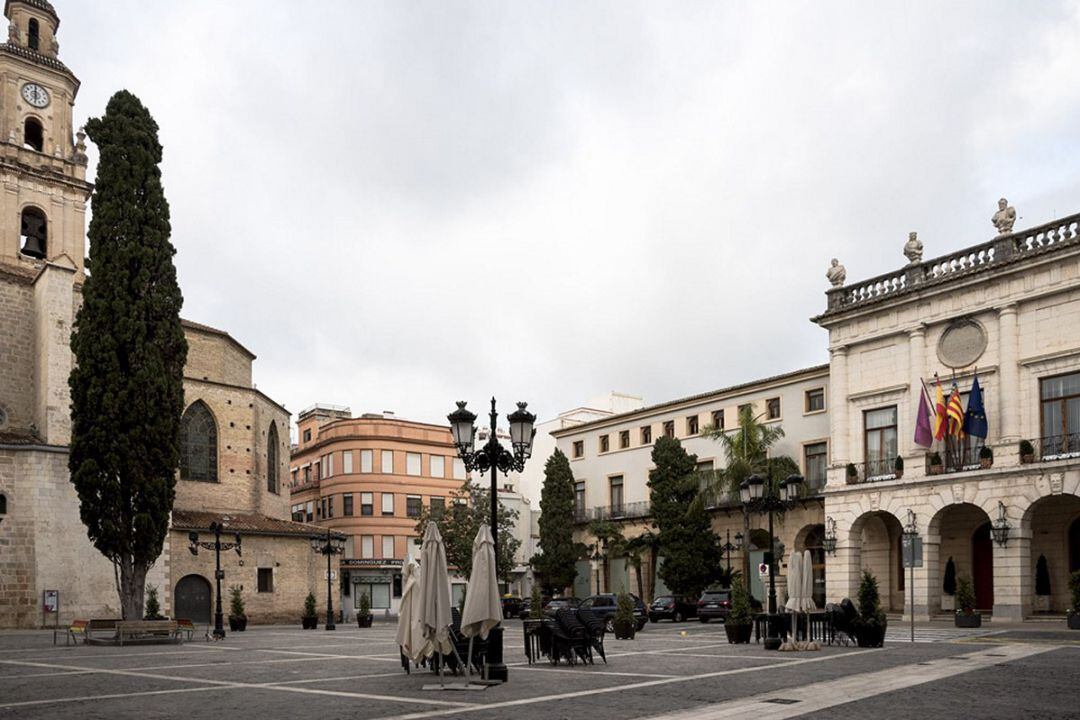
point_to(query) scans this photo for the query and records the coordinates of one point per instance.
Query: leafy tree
(309, 606)
(469, 508)
(153, 607)
(127, 384)
(692, 554)
(648, 542)
(746, 449)
(556, 563)
(610, 539)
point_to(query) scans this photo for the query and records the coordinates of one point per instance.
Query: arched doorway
(982, 567)
(192, 599)
(1074, 546)
(758, 545)
(810, 538)
(876, 542)
(1055, 532)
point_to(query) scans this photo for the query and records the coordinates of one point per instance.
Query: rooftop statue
(836, 273)
(913, 248)
(1004, 218)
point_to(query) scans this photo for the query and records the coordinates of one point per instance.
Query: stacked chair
(596, 629)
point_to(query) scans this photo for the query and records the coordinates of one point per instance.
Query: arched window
(33, 37)
(272, 458)
(34, 232)
(33, 134)
(198, 444)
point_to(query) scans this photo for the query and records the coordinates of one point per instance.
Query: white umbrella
(435, 615)
(794, 601)
(410, 631)
(808, 581)
(483, 609)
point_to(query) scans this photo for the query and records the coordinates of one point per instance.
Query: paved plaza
(278, 672)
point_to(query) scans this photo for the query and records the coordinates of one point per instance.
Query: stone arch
(33, 232)
(33, 133)
(1054, 525)
(874, 541)
(198, 444)
(191, 599)
(962, 532)
(810, 537)
(273, 471)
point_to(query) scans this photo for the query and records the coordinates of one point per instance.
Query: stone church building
(235, 439)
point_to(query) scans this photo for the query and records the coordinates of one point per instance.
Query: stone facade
(1018, 299)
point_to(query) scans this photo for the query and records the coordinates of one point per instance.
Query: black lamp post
(761, 497)
(494, 457)
(217, 546)
(329, 546)
(727, 548)
(1000, 528)
(911, 539)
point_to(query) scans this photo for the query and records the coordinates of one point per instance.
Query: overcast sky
(398, 205)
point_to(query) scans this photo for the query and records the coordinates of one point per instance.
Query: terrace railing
(625, 511)
(1057, 447)
(993, 253)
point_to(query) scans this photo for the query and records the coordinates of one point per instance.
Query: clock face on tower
(35, 95)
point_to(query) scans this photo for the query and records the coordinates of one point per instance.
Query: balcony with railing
(1002, 250)
(624, 511)
(1050, 448)
(875, 470)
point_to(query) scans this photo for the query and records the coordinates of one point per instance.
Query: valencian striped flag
(955, 412)
(939, 414)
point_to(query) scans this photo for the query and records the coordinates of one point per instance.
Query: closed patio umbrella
(808, 582)
(794, 601)
(435, 615)
(410, 631)
(483, 609)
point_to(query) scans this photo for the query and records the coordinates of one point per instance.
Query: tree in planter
(311, 617)
(237, 616)
(127, 393)
(898, 467)
(557, 564)
(363, 617)
(852, 473)
(738, 624)
(1027, 451)
(871, 623)
(965, 596)
(624, 617)
(153, 607)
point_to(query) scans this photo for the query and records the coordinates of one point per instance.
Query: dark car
(671, 607)
(555, 604)
(604, 605)
(714, 605)
(511, 606)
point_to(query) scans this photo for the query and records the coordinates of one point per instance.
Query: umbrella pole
(468, 659)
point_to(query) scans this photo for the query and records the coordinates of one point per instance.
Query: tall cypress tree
(556, 563)
(691, 549)
(127, 388)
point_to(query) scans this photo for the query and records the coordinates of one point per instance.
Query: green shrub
(985, 453)
(309, 606)
(624, 610)
(935, 458)
(1026, 448)
(153, 607)
(535, 602)
(869, 599)
(236, 602)
(740, 603)
(1074, 588)
(852, 471)
(898, 464)
(965, 596)
(365, 605)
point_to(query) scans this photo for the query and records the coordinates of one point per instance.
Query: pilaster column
(838, 405)
(1013, 576)
(916, 370)
(53, 309)
(1008, 394)
(842, 574)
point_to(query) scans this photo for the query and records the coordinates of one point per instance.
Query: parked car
(556, 604)
(671, 607)
(714, 605)
(511, 606)
(605, 605)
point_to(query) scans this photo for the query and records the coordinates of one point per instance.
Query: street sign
(330, 574)
(51, 601)
(912, 547)
(763, 571)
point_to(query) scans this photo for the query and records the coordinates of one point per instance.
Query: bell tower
(42, 161)
(42, 224)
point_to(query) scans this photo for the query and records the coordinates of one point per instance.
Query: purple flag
(924, 433)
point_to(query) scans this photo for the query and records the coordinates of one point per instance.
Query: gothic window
(33, 233)
(33, 39)
(33, 134)
(272, 459)
(198, 444)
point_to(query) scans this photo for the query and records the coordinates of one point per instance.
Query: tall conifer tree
(556, 563)
(127, 389)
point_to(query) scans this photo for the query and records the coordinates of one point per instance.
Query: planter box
(624, 632)
(1027, 459)
(238, 624)
(871, 636)
(739, 634)
(364, 621)
(936, 469)
(968, 621)
(1073, 621)
(309, 623)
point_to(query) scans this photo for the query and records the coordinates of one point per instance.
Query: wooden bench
(98, 625)
(72, 633)
(146, 631)
(183, 625)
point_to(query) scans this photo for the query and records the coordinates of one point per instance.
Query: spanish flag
(939, 413)
(956, 413)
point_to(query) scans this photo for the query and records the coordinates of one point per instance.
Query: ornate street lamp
(829, 541)
(911, 540)
(727, 548)
(1000, 528)
(494, 457)
(329, 546)
(217, 546)
(779, 497)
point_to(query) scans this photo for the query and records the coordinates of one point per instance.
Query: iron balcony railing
(955, 459)
(875, 470)
(1055, 447)
(625, 511)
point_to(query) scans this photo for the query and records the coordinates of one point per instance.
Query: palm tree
(746, 451)
(647, 542)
